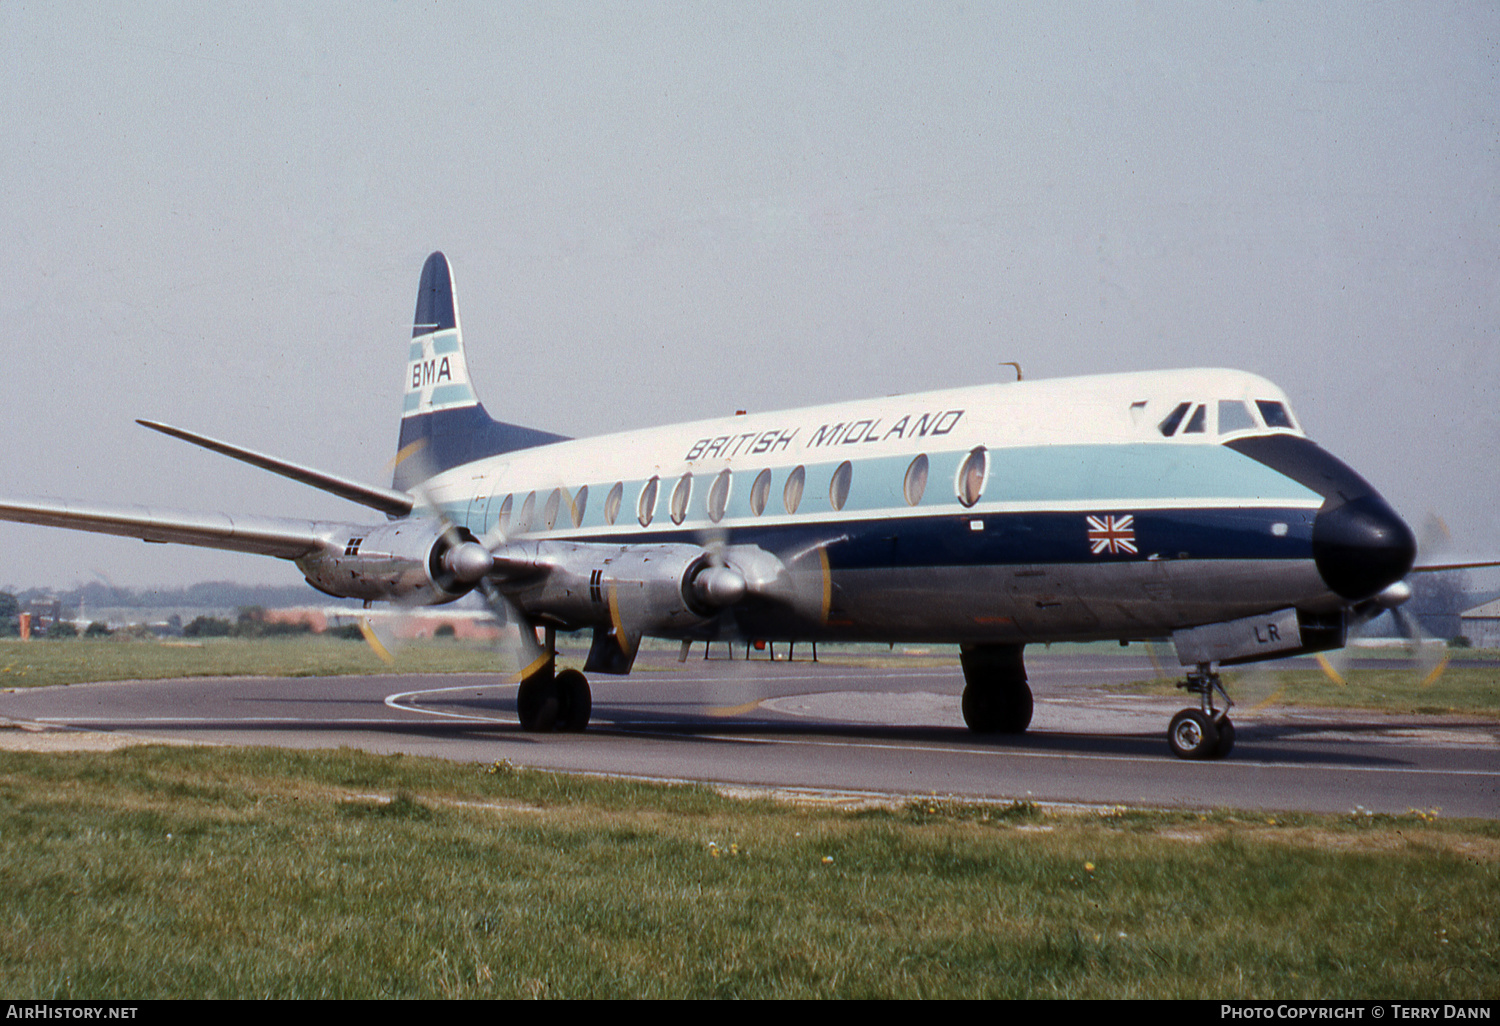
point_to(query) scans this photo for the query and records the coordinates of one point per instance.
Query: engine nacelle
(663, 590)
(416, 561)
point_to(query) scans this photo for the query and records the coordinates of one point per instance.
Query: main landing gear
(1205, 732)
(997, 699)
(549, 701)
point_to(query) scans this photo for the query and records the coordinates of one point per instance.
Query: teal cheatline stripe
(445, 342)
(450, 395)
(415, 352)
(1080, 472)
(412, 404)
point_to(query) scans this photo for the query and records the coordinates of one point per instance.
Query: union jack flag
(1112, 534)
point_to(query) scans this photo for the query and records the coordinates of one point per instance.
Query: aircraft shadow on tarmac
(1261, 743)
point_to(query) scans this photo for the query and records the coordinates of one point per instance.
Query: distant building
(408, 623)
(1481, 625)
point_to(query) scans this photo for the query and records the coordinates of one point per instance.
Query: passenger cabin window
(504, 518)
(1198, 422)
(680, 498)
(1275, 414)
(791, 494)
(549, 511)
(578, 505)
(1173, 419)
(612, 503)
(760, 492)
(523, 520)
(971, 477)
(718, 497)
(646, 507)
(916, 480)
(838, 488)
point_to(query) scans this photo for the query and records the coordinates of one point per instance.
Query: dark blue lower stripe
(1020, 538)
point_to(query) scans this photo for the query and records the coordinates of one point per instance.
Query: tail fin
(443, 423)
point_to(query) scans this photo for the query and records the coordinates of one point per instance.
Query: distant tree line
(251, 621)
(206, 594)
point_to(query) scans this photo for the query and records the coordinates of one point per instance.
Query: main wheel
(575, 701)
(1001, 708)
(997, 699)
(538, 703)
(1192, 735)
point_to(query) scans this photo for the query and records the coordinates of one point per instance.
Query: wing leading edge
(265, 536)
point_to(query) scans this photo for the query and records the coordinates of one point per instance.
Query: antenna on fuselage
(1012, 363)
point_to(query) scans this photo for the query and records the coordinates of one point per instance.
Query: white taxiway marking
(395, 701)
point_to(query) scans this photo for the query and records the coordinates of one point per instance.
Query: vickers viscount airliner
(1180, 504)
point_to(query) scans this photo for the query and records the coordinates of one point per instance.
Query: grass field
(1469, 684)
(76, 660)
(173, 872)
(180, 872)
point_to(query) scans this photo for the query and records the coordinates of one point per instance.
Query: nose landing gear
(1205, 732)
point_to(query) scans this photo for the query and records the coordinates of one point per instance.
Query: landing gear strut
(997, 699)
(1205, 732)
(549, 701)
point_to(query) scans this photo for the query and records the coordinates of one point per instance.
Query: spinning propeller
(464, 563)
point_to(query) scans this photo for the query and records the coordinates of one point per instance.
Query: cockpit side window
(1198, 423)
(1169, 426)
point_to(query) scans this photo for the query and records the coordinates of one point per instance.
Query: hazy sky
(216, 214)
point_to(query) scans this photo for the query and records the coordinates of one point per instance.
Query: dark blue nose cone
(1362, 546)
(1359, 544)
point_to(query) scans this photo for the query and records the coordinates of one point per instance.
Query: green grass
(43, 662)
(169, 872)
(1472, 690)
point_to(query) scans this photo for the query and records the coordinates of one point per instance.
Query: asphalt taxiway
(849, 727)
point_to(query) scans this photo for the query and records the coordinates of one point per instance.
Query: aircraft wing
(265, 536)
(1461, 564)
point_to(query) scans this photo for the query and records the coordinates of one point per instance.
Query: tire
(1192, 735)
(998, 708)
(1226, 738)
(575, 701)
(537, 704)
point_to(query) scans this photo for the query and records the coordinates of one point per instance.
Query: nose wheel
(1205, 732)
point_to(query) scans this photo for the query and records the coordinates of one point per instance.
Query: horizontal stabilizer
(386, 500)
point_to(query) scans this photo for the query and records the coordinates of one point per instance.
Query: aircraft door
(484, 507)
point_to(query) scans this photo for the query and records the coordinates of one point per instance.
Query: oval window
(971, 477)
(523, 519)
(718, 497)
(612, 502)
(838, 488)
(504, 519)
(549, 511)
(680, 497)
(646, 508)
(791, 494)
(579, 504)
(916, 480)
(760, 492)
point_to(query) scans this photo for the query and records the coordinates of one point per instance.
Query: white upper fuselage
(1061, 444)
